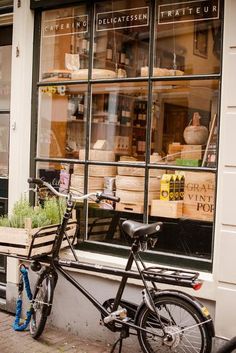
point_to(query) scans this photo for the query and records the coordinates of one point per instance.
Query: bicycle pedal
(118, 314)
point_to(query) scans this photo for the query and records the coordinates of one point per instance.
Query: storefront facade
(136, 101)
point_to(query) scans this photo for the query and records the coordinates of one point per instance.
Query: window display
(5, 90)
(187, 38)
(129, 98)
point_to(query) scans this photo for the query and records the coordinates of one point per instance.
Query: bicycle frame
(134, 257)
(117, 313)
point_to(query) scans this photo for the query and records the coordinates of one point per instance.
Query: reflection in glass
(184, 122)
(62, 121)
(121, 43)
(5, 76)
(186, 205)
(119, 118)
(4, 144)
(65, 44)
(187, 42)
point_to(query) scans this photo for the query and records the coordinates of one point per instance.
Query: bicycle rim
(183, 324)
(40, 308)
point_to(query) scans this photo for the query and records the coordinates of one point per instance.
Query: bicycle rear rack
(172, 276)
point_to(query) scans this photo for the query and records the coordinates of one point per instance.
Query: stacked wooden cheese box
(97, 174)
(130, 185)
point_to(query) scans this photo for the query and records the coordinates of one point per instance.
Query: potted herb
(30, 231)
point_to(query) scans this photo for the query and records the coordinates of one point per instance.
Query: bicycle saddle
(136, 229)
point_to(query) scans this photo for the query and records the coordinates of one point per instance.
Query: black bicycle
(165, 319)
(228, 346)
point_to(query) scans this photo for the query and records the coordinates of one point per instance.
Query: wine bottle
(72, 106)
(80, 109)
(109, 51)
(122, 55)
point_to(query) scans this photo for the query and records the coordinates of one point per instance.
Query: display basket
(33, 243)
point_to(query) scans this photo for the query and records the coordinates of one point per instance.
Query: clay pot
(196, 134)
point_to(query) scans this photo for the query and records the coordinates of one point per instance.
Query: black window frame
(188, 262)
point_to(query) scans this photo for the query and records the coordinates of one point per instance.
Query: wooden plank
(136, 183)
(125, 207)
(132, 171)
(133, 197)
(199, 196)
(169, 209)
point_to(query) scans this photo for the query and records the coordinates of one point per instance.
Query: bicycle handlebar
(99, 195)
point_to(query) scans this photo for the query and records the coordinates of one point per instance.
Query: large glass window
(5, 88)
(129, 103)
(187, 38)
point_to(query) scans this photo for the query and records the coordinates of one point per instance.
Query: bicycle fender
(51, 286)
(201, 309)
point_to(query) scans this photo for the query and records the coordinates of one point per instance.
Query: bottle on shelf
(128, 112)
(80, 109)
(123, 119)
(71, 106)
(127, 59)
(84, 50)
(144, 114)
(109, 50)
(106, 103)
(122, 55)
(139, 114)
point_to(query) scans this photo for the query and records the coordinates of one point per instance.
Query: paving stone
(52, 340)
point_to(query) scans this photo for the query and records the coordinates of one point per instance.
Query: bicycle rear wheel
(41, 304)
(182, 324)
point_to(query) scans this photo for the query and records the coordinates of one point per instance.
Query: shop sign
(65, 25)
(188, 11)
(127, 18)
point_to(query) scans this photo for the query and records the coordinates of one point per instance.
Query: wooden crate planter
(30, 243)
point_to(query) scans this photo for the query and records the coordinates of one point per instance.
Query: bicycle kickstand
(124, 334)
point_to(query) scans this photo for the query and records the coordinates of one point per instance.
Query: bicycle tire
(41, 304)
(228, 347)
(172, 310)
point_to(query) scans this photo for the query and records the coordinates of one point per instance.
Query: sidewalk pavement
(54, 340)
(51, 341)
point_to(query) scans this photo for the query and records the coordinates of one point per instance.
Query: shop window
(62, 120)
(65, 44)
(121, 39)
(119, 118)
(187, 38)
(115, 115)
(184, 122)
(5, 88)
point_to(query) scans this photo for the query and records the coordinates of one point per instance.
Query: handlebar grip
(35, 181)
(103, 196)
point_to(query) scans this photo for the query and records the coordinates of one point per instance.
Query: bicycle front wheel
(41, 305)
(184, 331)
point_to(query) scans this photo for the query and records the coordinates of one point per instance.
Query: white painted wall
(21, 87)
(20, 120)
(225, 237)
